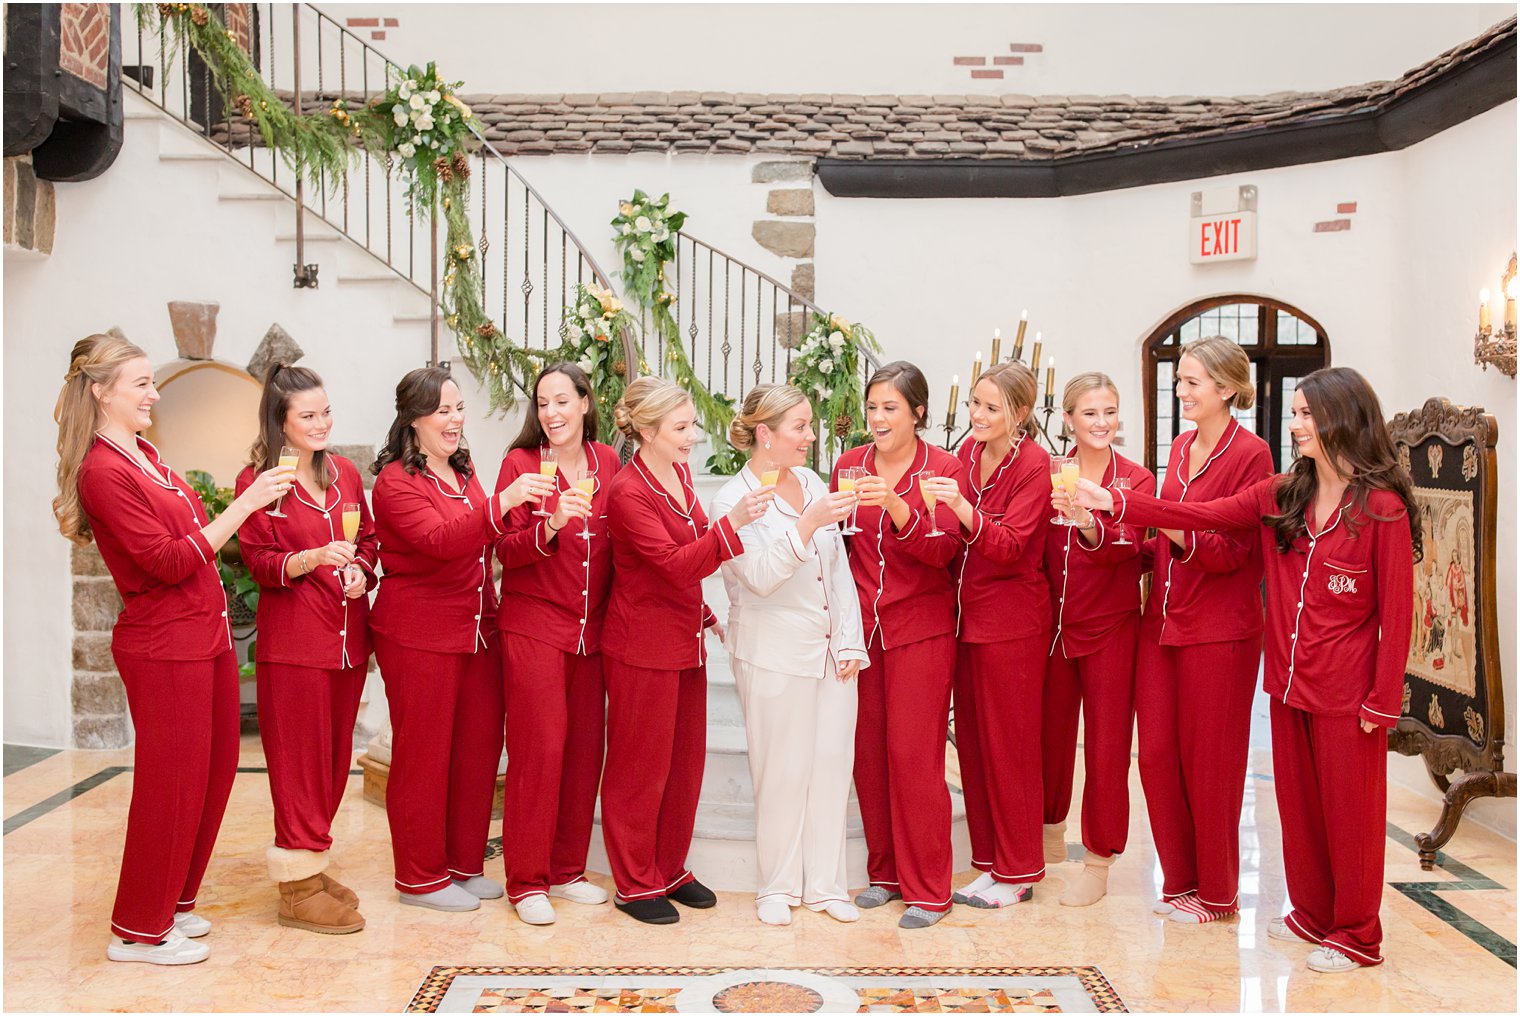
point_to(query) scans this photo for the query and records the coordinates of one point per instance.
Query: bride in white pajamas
(795, 639)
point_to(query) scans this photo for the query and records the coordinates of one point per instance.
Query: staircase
(738, 323)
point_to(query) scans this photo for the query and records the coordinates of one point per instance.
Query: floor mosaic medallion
(790, 990)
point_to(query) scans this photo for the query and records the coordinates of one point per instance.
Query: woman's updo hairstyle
(645, 403)
(765, 404)
(1228, 365)
(1016, 383)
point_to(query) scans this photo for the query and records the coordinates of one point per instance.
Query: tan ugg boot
(306, 905)
(1055, 843)
(340, 892)
(1091, 885)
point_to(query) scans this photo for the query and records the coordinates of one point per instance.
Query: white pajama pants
(801, 733)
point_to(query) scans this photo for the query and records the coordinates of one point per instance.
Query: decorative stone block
(98, 693)
(791, 328)
(92, 651)
(87, 561)
(786, 239)
(802, 279)
(96, 604)
(276, 347)
(100, 731)
(789, 202)
(362, 456)
(779, 172)
(194, 323)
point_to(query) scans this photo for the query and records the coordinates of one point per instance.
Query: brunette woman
(907, 606)
(558, 572)
(1200, 646)
(434, 622)
(655, 660)
(1095, 603)
(1003, 630)
(1340, 532)
(171, 643)
(796, 645)
(312, 650)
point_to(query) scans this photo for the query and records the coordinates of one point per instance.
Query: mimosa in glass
(548, 465)
(290, 458)
(929, 501)
(586, 484)
(351, 521)
(847, 478)
(1064, 474)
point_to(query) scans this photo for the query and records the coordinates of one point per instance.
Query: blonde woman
(653, 654)
(1200, 646)
(171, 644)
(1094, 574)
(795, 638)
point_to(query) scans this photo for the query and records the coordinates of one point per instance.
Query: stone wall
(30, 209)
(98, 698)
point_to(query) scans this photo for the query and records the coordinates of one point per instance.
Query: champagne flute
(847, 478)
(929, 501)
(351, 529)
(1122, 483)
(770, 473)
(586, 484)
(1064, 474)
(548, 465)
(289, 457)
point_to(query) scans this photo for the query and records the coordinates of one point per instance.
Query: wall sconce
(1497, 346)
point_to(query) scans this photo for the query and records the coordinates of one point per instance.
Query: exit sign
(1223, 225)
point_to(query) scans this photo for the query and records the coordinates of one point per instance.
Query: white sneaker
(588, 893)
(452, 898)
(535, 909)
(1330, 960)
(1279, 928)
(175, 950)
(481, 888)
(192, 926)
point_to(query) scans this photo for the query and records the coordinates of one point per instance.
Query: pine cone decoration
(486, 331)
(443, 169)
(165, 11)
(199, 15)
(842, 425)
(461, 165)
(620, 367)
(245, 106)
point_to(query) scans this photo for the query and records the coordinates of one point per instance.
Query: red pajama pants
(446, 727)
(557, 705)
(186, 716)
(656, 747)
(1193, 707)
(306, 721)
(997, 738)
(1332, 796)
(1101, 687)
(900, 729)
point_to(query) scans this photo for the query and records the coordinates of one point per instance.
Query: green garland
(591, 338)
(420, 125)
(827, 367)
(645, 231)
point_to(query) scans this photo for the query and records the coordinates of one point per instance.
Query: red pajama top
(147, 523)
(307, 621)
(435, 547)
(1001, 591)
(1339, 602)
(556, 589)
(1208, 591)
(902, 577)
(661, 552)
(1095, 589)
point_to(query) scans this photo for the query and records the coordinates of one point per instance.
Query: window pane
(1293, 331)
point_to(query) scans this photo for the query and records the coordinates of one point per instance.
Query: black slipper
(695, 895)
(651, 911)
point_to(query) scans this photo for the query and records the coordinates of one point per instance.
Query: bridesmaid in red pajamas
(1095, 602)
(1003, 505)
(434, 624)
(907, 606)
(1340, 534)
(1200, 646)
(172, 643)
(655, 659)
(557, 581)
(313, 646)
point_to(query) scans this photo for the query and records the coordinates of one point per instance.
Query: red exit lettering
(1222, 237)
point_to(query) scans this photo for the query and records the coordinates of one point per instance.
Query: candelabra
(1497, 345)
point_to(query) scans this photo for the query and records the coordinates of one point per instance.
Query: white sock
(1004, 894)
(773, 911)
(983, 881)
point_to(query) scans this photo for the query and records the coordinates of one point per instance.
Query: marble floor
(1448, 931)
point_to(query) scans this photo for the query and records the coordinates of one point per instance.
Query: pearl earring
(767, 446)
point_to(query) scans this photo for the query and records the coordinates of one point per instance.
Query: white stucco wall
(1157, 49)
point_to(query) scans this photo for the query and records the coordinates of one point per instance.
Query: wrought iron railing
(530, 259)
(739, 325)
